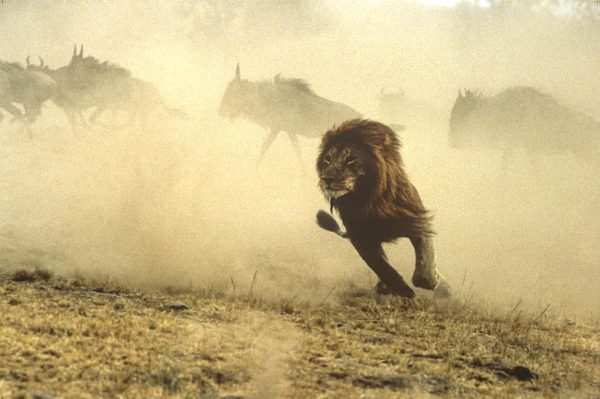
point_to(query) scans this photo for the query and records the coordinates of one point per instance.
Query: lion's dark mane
(385, 205)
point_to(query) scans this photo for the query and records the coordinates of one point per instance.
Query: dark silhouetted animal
(287, 105)
(522, 117)
(88, 83)
(361, 173)
(25, 87)
(391, 104)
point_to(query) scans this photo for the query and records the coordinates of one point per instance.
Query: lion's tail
(327, 222)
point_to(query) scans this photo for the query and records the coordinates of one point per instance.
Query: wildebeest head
(391, 103)
(77, 60)
(39, 87)
(391, 96)
(463, 106)
(89, 70)
(236, 97)
(42, 67)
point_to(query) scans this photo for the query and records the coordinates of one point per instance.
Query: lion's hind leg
(426, 275)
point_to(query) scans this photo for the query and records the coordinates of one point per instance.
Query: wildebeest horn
(81, 51)
(237, 73)
(27, 61)
(41, 61)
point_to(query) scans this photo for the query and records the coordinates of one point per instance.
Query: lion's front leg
(426, 275)
(374, 256)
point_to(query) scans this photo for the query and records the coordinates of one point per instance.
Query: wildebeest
(391, 103)
(110, 87)
(65, 95)
(25, 87)
(282, 104)
(88, 83)
(522, 117)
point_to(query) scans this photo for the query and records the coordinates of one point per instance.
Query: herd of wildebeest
(87, 89)
(360, 169)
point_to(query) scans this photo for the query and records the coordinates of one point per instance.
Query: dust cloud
(184, 204)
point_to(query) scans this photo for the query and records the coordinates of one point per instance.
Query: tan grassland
(85, 339)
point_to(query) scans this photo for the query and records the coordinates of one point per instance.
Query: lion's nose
(328, 180)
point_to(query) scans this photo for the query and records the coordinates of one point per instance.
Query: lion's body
(362, 175)
(385, 205)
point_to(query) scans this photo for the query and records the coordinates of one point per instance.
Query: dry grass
(78, 339)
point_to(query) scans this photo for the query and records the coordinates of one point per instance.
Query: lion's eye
(351, 161)
(327, 160)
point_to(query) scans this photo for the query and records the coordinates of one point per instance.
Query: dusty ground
(77, 339)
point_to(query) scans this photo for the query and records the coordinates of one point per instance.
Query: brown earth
(77, 339)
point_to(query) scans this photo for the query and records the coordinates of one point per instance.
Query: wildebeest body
(88, 83)
(288, 105)
(522, 117)
(28, 88)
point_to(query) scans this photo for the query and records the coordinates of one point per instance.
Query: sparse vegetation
(31, 275)
(68, 339)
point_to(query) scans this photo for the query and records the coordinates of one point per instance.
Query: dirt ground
(88, 339)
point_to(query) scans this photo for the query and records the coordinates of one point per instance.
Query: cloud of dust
(184, 203)
(260, 346)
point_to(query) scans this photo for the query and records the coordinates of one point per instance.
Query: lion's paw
(427, 282)
(442, 291)
(382, 289)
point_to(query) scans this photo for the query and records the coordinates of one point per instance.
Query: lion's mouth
(337, 193)
(332, 190)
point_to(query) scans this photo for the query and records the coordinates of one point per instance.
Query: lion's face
(341, 170)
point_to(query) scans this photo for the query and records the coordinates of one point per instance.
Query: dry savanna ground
(75, 338)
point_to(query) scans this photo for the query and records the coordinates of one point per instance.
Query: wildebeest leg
(96, 114)
(374, 256)
(31, 114)
(75, 118)
(72, 120)
(267, 143)
(14, 111)
(426, 275)
(296, 145)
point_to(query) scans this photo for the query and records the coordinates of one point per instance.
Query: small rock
(22, 275)
(523, 373)
(390, 381)
(14, 302)
(175, 306)
(340, 375)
